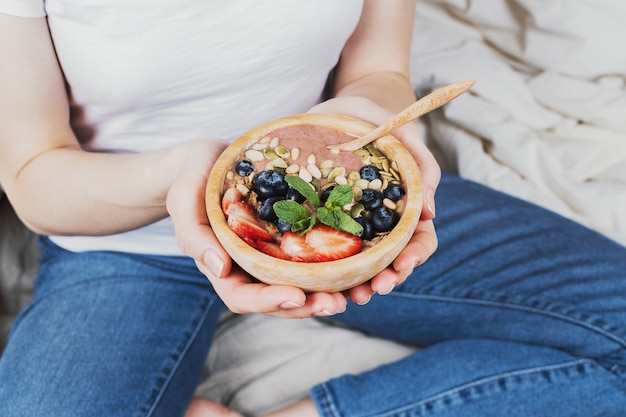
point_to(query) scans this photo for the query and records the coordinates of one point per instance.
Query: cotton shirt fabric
(146, 75)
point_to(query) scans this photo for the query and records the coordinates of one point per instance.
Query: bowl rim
(315, 276)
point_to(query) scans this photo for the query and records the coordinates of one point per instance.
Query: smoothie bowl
(290, 211)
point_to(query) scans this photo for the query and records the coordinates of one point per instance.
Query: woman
(104, 116)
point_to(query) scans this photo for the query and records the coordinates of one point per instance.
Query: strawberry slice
(330, 244)
(295, 246)
(243, 221)
(272, 249)
(232, 195)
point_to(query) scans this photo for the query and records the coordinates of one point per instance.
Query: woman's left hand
(423, 243)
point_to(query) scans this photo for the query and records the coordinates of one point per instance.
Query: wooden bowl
(337, 275)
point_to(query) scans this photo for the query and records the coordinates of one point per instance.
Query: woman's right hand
(240, 292)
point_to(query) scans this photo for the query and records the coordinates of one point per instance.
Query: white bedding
(546, 121)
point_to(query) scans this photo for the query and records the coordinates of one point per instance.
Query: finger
(421, 246)
(195, 238)
(316, 305)
(241, 295)
(385, 281)
(429, 168)
(361, 294)
(186, 206)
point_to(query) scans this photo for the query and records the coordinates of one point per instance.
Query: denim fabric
(108, 334)
(521, 313)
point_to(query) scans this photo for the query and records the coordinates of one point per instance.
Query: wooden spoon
(422, 106)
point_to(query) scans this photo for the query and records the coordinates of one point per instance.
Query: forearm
(55, 186)
(376, 59)
(70, 191)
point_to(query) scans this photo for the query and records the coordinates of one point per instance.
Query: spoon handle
(422, 106)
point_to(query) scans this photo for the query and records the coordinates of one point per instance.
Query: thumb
(186, 206)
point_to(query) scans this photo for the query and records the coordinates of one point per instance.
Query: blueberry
(325, 194)
(244, 168)
(394, 192)
(283, 226)
(371, 199)
(293, 194)
(384, 219)
(368, 232)
(270, 183)
(266, 211)
(369, 172)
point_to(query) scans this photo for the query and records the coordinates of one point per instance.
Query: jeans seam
(327, 406)
(559, 315)
(180, 355)
(482, 381)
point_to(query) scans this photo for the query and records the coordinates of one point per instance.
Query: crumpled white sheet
(546, 121)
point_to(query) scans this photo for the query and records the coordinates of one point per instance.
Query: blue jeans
(109, 334)
(521, 313)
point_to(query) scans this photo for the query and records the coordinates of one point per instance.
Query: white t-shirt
(148, 74)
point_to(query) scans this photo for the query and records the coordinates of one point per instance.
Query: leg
(109, 334)
(519, 308)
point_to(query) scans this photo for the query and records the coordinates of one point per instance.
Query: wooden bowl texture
(337, 275)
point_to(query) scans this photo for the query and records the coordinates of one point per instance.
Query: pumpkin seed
(282, 151)
(270, 154)
(336, 172)
(353, 176)
(373, 150)
(357, 210)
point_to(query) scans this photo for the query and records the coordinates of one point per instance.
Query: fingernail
(323, 313)
(430, 201)
(361, 303)
(405, 273)
(290, 304)
(212, 261)
(387, 291)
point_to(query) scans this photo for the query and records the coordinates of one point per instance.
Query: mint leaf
(348, 224)
(303, 188)
(338, 219)
(290, 212)
(303, 225)
(340, 196)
